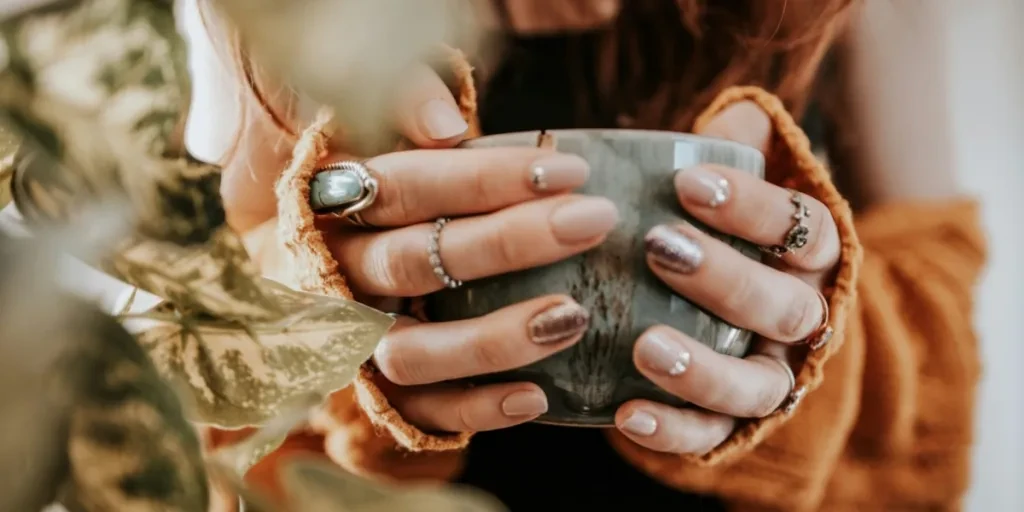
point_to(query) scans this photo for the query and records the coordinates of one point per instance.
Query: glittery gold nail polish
(558, 323)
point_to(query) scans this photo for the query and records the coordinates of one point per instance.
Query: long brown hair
(660, 61)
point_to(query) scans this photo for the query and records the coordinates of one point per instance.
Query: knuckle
(799, 319)
(715, 433)
(822, 248)
(501, 248)
(393, 203)
(384, 264)
(720, 398)
(767, 398)
(739, 297)
(491, 356)
(465, 419)
(481, 187)
(762, 217)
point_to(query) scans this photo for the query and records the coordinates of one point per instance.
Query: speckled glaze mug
(586, 383)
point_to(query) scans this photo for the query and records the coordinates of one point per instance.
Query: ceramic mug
(586, 383)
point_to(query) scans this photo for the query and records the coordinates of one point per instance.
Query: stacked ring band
(434, 255)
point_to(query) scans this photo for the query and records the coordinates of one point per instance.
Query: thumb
(743, 122)
(426, 112)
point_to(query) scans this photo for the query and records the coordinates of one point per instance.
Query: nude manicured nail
(525, 403)
(558, 323)
(559, 172)
(662, 354)
(674, 250)
(583, 219)
(441, 121)
(702, 186)
(640, 423)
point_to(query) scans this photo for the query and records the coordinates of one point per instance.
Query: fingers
(451, 409)
(508, 338)
(746, 388)
(396, 263)
(740, 290)
(426, 112)
(422, 185)
(743, 122)
(739, 204)
(667, 429)
(734, 202)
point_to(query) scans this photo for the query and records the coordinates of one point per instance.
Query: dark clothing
(538, 467)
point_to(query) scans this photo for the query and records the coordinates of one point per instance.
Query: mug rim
(621, 131)
(521, 139)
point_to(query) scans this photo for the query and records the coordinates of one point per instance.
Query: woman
(889, 426)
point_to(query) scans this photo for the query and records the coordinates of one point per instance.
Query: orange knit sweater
(886, 423)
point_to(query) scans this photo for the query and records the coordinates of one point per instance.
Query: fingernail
(662, 354)
(674, 250)
(557, 323)
(702, 186)
(441, 121)
(525, 403)
(579, 220)
(640, 423)
(559, 172)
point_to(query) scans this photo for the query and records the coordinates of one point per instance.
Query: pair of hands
(506, 221)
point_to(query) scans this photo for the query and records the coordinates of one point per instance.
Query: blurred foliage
(371, 45)
(8, 144)
(84, 416)
(95, 93)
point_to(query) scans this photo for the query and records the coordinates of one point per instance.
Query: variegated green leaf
(241, 374)
(240, 457)
(82, 409)
(98, 91)
(130, 447)
(216, 278)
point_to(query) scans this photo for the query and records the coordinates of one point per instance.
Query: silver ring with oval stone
(343, 189)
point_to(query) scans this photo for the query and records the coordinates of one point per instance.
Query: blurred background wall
(988, 66)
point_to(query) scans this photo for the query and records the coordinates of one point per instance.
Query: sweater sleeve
(361, 430)
(889, 428)
(886, 422)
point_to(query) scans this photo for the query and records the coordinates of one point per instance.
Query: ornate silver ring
(796, 237)
(343, 189)
(434, 255)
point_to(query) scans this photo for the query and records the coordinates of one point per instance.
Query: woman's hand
(508, 220)
(778, 300)
(514, 210)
